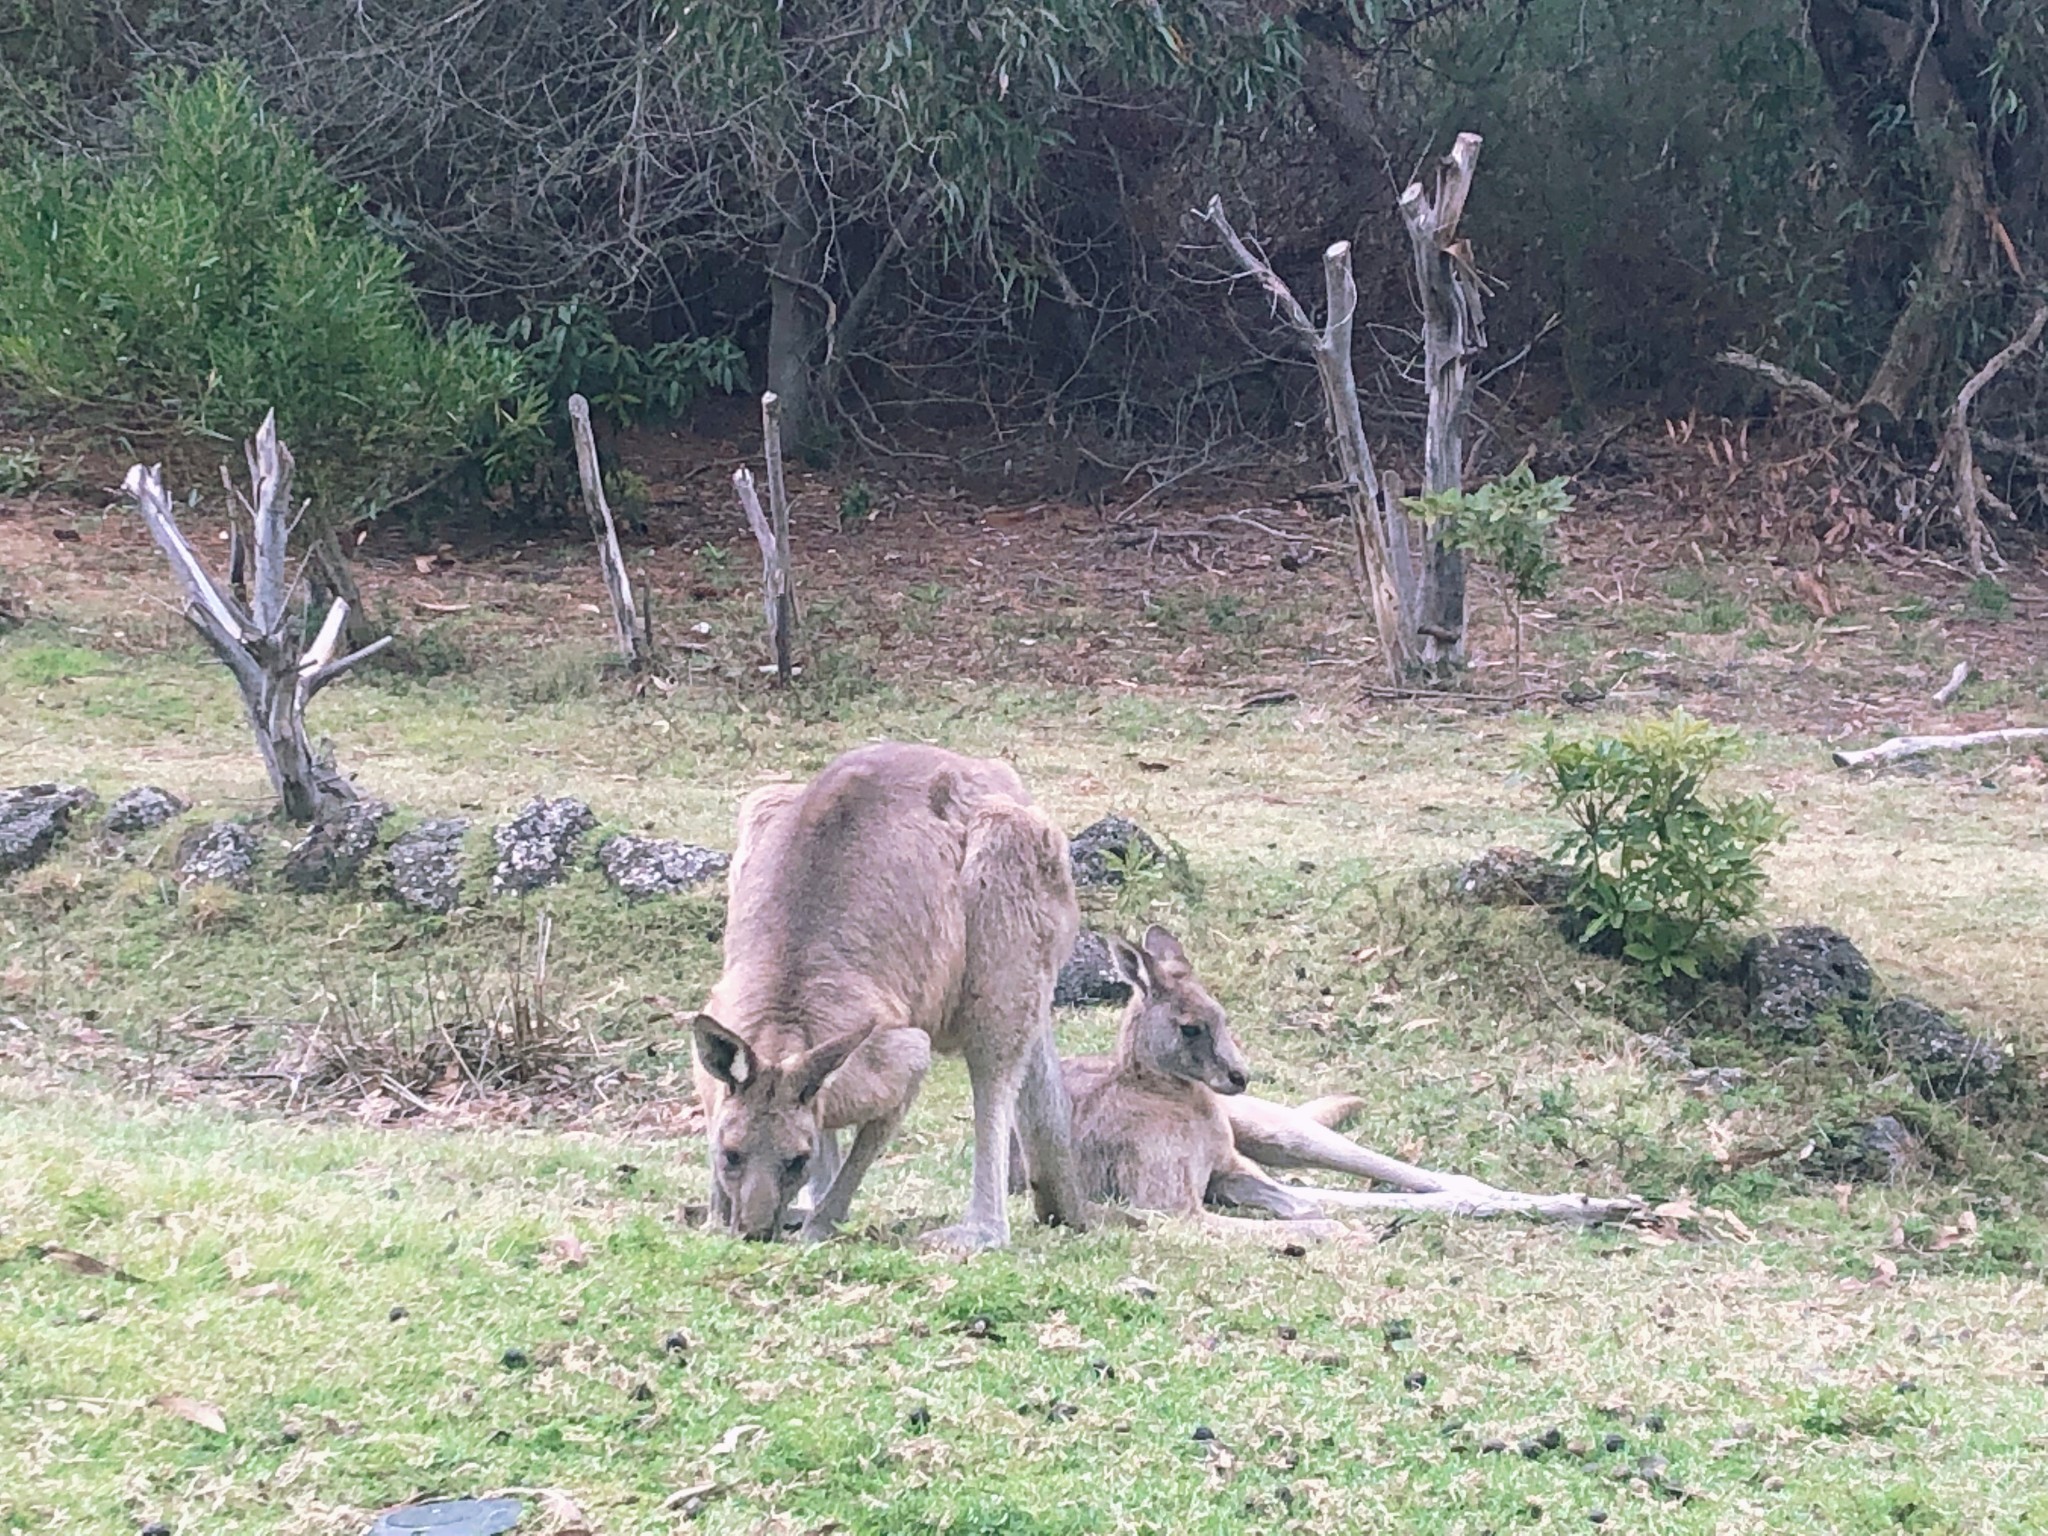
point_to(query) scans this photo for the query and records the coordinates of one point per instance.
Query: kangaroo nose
(1237, 1080)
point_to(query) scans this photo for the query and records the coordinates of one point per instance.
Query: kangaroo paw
(964, 1237)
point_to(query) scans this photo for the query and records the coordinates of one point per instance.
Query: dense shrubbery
(218, 272)
(1658, 869)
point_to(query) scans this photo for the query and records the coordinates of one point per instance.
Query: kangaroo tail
(1333, 1110)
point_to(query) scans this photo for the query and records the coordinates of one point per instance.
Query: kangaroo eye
(1191, 1031)
(732, 1160)
(795, 1165)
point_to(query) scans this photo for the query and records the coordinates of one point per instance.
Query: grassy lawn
(503, 1293)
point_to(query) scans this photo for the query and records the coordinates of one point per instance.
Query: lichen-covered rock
(1103, 850)
(1513, 877)
(143, 807)
(1089, 978)
(424, 865)
(658, 866)
(1881, 1152)
(1665, 1050)
(1712, 1082)
(224, 852)
(535, 847)
(1943, 1059)
(34, 819)
(1795, 976)
(335, 848)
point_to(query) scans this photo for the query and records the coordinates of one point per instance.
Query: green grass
(845, 1384)
(848, 1383)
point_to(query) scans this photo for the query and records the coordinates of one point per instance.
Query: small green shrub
(570, 348)
(217, 272)
(856, 507)
(1505, 524)
(1659, 870)
(1989, 598)
(21, 469)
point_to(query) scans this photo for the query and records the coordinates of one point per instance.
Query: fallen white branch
(1954, 685)
(1916, 746)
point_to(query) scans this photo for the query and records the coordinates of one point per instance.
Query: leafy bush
(1659, 870)
(1506, 524)
(571, 348)
(219, 272)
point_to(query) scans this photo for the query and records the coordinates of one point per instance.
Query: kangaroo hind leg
(1020, 915)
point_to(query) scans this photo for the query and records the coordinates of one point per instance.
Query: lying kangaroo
(1165, 1124)
(906, 899)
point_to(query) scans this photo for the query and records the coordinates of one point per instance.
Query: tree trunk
(795, 328)
(1879, 59)
(1453, 332)
(276, 676)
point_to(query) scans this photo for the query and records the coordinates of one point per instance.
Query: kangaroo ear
(1134, 965)
(1164, 947)
(724, 1054)
(809, 1072)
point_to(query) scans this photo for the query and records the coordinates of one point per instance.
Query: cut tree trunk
(1453, 332)
(1386, 565)
(258, 643)
(619, 587)
(771, 532)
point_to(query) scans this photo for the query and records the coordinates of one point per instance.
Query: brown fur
(907, 899)
(1164, 1123)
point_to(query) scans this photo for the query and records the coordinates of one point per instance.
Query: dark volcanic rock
(535, 847)
(1794, 976)
(1513, 877)
(222, 851)
(658, 866)
(334, 850)
(1880, 1152)
(144, 807)
(1103, 849)
(1942, 1058)
(1089, 977)
(425, 865)
(34, 819)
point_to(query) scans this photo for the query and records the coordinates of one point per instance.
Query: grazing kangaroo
(1165, 1123)
(907, 899)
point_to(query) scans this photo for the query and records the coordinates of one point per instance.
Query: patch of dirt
(1703, 567)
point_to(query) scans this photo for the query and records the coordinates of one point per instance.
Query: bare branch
(1915, 746)
(1957, 450)
(1953, 686)
(221, 614)
(1255, 268)
(335, 669)
(1787, 381)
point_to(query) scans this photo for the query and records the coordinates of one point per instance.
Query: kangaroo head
(766, 1123)
(1173, 1025)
